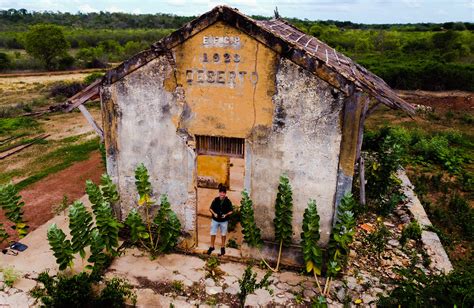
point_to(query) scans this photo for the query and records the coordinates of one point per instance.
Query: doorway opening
(219, 160)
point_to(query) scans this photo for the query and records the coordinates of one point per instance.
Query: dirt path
(41, 197)
(440, 100)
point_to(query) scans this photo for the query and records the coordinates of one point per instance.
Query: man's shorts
(216, 225)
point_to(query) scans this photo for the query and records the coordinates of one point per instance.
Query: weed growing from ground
(411, 231)
(10, 275)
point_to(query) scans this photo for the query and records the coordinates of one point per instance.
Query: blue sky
(363, 11)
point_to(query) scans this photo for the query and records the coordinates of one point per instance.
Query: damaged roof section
(285, 39)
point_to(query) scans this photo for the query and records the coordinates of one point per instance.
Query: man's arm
(210, 209)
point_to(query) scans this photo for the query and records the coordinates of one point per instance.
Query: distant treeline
(20, 19)
(106, 20)
(408, 56)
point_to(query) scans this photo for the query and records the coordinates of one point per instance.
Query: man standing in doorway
(221, 209)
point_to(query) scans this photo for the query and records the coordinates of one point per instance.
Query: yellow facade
(213, 170)
(228, 79)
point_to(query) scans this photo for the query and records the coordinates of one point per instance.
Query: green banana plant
(80, 225)
(61, 247)
(11, 203)
(283, 216)
(312, 253)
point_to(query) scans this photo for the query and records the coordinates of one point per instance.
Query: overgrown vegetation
(78, 291)
(439, 165)
(248, 284)
(411, 231)
(10, 275)
(416, 289)
(159, 233)
(101, 236)
(11, 203)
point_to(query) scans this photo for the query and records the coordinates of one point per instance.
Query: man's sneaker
(222, 251)
(210, 250)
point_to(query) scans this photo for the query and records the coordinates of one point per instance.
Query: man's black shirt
(221, 207)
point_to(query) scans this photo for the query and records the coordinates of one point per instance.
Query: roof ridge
(284, 38)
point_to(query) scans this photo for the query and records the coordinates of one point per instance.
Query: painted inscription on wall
(220, 68)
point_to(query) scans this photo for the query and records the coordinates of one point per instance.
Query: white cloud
(87, 8)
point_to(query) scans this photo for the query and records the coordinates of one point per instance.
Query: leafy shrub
(65, 89)
(251, 232)
(283, 215)
(10, 275)
(4, 61)
(11, 203)
(115, 293)
(411, 231)
(102, 238)
(3, 233)
(212, 268)
(60, 246)
(77, 291)
(92, 77)
(416, 289)
(158, 234)
(438, 150)
(387, 153)
(312, 253)
(248, 284)
(231, 243)
(464, 214)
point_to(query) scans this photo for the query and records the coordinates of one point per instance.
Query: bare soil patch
(440, 100)
(41, 197)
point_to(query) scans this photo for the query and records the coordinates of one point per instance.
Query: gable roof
(285, 39)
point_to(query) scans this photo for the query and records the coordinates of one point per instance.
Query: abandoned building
(228, 99)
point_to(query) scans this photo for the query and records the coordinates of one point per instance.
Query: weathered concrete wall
(304, 143)
(228, 78)
(146, 133)
(289, 118)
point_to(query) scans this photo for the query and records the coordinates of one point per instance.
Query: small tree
(46, 42)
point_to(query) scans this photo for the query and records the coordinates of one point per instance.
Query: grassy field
(71, 138)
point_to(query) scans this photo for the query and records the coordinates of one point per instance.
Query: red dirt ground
(42, 196)
(442, 100)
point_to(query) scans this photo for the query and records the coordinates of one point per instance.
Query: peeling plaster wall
(289, 117)
(304, 143)
(146, 133)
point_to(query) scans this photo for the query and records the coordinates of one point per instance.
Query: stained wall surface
(221, 82)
